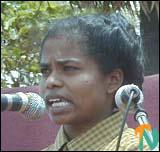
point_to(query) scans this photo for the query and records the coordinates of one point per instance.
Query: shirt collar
(100, 134)
(61, 139)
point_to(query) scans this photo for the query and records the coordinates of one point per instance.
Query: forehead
(60, 47)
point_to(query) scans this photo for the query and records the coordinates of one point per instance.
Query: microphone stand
(124, 120)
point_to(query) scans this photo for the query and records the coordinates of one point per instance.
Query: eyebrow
(62, 61)
(65, 61)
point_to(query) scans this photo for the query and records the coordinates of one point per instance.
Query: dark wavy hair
(108, 38)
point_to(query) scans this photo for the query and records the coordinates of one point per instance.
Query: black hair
(109, 38)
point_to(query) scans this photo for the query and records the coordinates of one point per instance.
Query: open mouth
(57, 101)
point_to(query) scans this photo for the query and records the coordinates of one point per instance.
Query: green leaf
(9, 23)
(24, 30)
(16, 52)
(13, 34)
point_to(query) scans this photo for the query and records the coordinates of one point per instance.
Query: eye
(70, 68)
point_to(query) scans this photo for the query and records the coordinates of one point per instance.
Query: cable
(124, 119)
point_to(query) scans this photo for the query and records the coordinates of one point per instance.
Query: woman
(84, 60)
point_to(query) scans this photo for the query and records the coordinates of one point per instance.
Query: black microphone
(30, 105)
(122, 96)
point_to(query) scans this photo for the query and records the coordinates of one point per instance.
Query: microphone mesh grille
(35, 108)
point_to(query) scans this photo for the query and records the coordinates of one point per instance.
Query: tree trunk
(150, 36)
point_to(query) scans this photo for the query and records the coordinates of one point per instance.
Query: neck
(74, 130)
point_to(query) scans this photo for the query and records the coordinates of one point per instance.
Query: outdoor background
(24, 23)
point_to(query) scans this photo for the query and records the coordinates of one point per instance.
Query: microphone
(30, 105)
(122, 96)
(128, 98)
(131, 96)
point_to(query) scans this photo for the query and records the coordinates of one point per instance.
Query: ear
(114, 80)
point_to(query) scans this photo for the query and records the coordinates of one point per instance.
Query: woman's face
(72, 86)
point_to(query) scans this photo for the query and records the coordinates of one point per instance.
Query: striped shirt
(101, 137)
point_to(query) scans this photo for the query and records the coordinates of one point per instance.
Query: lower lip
(57, 110)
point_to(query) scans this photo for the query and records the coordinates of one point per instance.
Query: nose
(54, 81)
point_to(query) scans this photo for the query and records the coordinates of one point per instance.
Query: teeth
(59, 104)
(54, 100)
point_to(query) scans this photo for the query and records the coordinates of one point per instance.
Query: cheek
(87, 88)
(85, 82)
(90, 97)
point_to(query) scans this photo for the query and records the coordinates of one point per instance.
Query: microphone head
(122, 96)
(35, 107)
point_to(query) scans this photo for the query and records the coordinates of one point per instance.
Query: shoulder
(129, 142)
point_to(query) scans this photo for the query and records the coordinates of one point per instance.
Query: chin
(60, 120)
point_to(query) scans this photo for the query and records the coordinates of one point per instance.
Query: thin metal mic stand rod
(124, 119)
